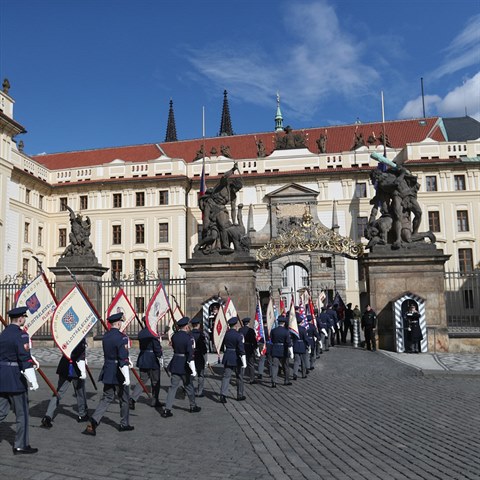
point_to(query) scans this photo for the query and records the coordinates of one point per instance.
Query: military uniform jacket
(250, 339)
(150, 350)
(14, 357)
(78, 353)
(281, 340)
(323, 321)
(300, 343)
(115, 353)
(369, 319)
(312, 334)
(200, 348)
(182, 343)
(348, 321)
(413, 321)
(234, 348)
(332, 318)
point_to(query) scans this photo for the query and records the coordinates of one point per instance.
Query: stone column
(391, 273)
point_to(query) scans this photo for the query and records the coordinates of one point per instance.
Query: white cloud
(321, 61)
(453, 104)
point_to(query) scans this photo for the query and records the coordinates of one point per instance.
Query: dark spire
(171, 134)
(226, 123)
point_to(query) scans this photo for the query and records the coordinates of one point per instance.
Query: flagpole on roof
(383, 127)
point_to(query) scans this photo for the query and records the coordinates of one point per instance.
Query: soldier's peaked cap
(281, 319)
(233, 321)
(246, 320)
(195, 320)
(17, 312)
(116, 317)
(183, 321)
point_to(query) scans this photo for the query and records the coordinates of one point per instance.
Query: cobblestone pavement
(358, 415)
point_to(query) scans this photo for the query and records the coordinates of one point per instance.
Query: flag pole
(383, 127)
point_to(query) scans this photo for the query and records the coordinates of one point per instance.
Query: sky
(89, 74)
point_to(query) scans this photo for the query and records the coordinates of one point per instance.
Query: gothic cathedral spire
(226, 123)
(278, 116)
(171, 134)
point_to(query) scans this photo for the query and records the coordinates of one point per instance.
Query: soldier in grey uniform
(17, 374)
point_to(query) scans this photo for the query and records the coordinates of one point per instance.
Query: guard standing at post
(115, 376)
(199, 353)
(300, 347)
(234, 360)
(369, 325)
(150, 362)
(182, 367)
(414, 331)
(251, 347)
(281, 351)
(73, 371)
(16, 371)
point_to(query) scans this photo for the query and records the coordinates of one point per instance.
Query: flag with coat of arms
(259, 331)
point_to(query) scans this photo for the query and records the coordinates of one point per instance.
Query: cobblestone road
(358, 415)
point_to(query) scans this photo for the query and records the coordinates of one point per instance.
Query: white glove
(333, 329)
(324, 332)
(126, 373)
(130, 364)
(320, 345)
(83, 369)
(161, 362)
(244, 361)
(290, 351)
(29, 374)
(257, 352)
(36, 365)
(191, 364)
(309, 350)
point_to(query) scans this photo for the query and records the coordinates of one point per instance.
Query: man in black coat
(251, 347)
(281, 351)
(414, 332)
(300, 348)
(369, 325)
(348, 324)
(199, 352)
(70, 371)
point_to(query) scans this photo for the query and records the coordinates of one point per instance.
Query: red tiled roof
(339, 139)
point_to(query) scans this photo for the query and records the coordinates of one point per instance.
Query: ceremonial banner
(271, 316)
(283, 310)
(292, 319)
(340, 309)
(73, 318)
(38, 297)
(156, 309)
(260, 333)
(321, 301)
(302, 314)
(230, 310)
(219, 328)
(121, 304)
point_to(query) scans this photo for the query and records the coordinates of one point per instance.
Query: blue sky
(97, 73)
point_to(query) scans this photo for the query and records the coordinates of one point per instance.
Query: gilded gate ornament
(309, 237)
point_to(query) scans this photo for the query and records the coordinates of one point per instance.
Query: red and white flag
(38, 297)
(259, 332)
(292, 319)
(156, 309)
(230, 310)
(121, 304)
(219, 328)
(73, 318)
(321, 300)
(271, 316)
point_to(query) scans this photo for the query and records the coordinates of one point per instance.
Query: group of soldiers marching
(244, 356)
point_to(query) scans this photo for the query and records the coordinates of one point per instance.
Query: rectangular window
(25, 267)
(62, 237)
(117, 200)
(459, 182)
(140, 305)
(434, 221)
(116, 267)
(63, 204)
(139, 233)
(462, 221)
(26, 232)
(465, 259)
(139, 269)
(140, 199)
(431, 183)
(116, 234)
(83, 202)
(163, 232)
(40, 202)
(360, 190)
(361, 224)
(468, 298)
(27, 196)
(326, 262)
(164, 269)
(163, 197)
(40, 236)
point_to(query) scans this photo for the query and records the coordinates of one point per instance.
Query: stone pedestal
(391, 273)
(209, 275)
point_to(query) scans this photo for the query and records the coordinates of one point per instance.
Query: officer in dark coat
(414, 332)
(300, 348)
(150, 362)
(234, 360)
(17, 374)
(182, 367)
(369, 325)
(73, 371)
(333, 324)
(313, 338)
(199, 353)
(281, 351)
(115, 376)
(347, 324)
(324, 323)
(251, 347)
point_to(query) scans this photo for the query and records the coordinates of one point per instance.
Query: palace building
(142, 200)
